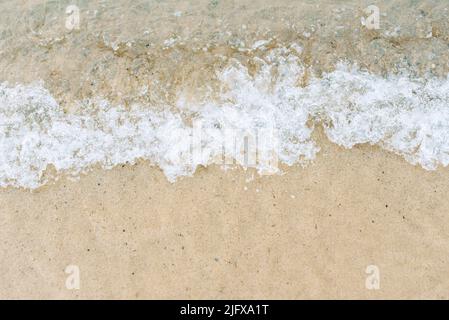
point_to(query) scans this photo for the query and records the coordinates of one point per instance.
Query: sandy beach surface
(307, 234)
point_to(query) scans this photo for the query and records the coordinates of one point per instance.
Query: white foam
(407, 116)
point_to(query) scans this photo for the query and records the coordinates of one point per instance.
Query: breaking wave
(401, 114)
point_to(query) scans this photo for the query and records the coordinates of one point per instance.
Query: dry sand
(308, 234)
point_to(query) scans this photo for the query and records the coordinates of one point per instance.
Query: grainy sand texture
(308, 234)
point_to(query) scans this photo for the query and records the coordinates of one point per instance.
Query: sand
(310, 233)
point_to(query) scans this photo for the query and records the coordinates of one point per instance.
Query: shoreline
(310, 233)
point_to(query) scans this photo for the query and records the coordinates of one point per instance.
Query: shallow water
(133, 79)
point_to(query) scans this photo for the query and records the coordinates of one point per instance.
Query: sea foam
(407, 116)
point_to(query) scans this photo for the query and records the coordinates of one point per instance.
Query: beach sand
(310, 233)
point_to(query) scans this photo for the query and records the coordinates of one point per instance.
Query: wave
(271, 109)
